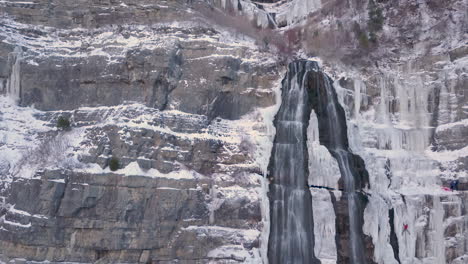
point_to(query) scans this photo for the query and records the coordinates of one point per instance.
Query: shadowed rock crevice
(434, 97)
(393, 236)
(167, 81)
(58, 195)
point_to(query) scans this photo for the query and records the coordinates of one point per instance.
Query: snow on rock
(13, 210)
(13, 224)
(444, 156)
(19, 133)
(133, 169)
(234, 252)
(226, 233)
(25, 133)
(444, 127)
(113, 43)
(461, 260)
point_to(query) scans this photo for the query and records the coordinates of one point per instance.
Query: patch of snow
(236, 252)
(13, 210)
(11, 223)
(18, 132)
(447, 155)
(133, 169)
(462, 123)
(226, 233)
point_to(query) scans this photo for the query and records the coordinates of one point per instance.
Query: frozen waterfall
(13, 87)
(306, 88)
(291, 232)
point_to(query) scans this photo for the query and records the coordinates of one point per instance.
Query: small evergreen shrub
(340, 24)
(375, 22)
(63, 123)
(361, 35)
(114, 164)
(376, 18)
(372, 37)
(363, 40)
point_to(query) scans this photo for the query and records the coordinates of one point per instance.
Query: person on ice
(454, 185)
(405, 229)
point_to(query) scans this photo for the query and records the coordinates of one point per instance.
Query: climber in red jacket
(405, 229)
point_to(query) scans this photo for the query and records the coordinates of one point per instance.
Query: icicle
(301, 8)
(2, 86)
(13, 87)
(358, 85)
(215, 203)
(437, 248)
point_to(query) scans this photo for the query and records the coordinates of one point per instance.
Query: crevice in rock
(101, 254)
(58, 196)
(224, 106)
(167, 80)
(435, 116)
(388, 172)
(393, 236)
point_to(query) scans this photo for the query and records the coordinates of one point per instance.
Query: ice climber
(454, 185)
(405, 229)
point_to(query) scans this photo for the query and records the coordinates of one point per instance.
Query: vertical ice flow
(13, 87)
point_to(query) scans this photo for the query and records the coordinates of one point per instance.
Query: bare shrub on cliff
(49, 153)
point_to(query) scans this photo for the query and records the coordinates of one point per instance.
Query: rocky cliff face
(186, 104)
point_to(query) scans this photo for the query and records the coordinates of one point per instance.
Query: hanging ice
(13, 87)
